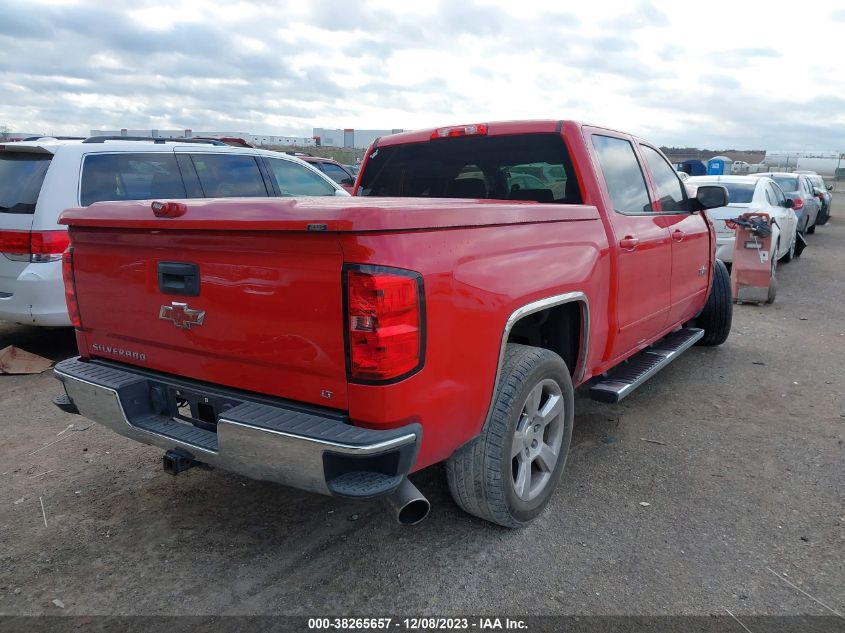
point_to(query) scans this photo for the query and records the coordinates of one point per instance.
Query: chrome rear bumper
(287, 443)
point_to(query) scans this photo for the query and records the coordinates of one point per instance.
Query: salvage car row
(338, 344)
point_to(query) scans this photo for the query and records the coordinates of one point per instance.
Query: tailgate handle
(179, 278)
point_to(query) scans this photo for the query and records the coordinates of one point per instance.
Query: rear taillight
(385, 323)
(797, 204)
(70, 289)
(33, 246)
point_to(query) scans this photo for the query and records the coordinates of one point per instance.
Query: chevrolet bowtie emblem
(181, 315)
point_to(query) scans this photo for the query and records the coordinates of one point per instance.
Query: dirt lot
(745, 490)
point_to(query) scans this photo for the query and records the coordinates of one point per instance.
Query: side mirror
(830, 187)
(712, 196)
(789, 203)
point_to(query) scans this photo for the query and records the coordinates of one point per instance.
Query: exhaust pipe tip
(408, 503)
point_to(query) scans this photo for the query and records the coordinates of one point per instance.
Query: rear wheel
(800, 244)
(812, 229)
(508, 473)
(787, 257)
(715, 319)
(773, 282)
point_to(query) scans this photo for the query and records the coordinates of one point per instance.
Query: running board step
(625, 378)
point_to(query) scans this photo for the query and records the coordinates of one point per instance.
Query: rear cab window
(622, 174)
(533, 167)
(21, 177)
(130, 176)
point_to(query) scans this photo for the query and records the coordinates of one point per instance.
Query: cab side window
(622, 173)
(670, 191)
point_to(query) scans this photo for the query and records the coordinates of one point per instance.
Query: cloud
(683, 77)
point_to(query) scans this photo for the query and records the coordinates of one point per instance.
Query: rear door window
(294, 179)
(130, 177)
(622, 174)
(21, 176)
(670, 191)
(229, 176)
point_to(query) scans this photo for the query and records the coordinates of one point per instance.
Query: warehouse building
(349, 137)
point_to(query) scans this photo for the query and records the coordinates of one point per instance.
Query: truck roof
(492, 128)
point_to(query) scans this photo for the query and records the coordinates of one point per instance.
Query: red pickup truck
(337, 345)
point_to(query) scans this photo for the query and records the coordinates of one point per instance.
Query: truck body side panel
(474, 280)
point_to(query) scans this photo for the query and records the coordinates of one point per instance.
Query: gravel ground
(745, 483)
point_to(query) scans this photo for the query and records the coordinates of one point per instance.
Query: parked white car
(39, 179)
(745, 194)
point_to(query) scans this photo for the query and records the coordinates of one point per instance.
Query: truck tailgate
(272, 303)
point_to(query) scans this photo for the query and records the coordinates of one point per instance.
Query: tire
(812, 229)
(773, 283)
(791, 252)
(485, 476)
(824, 216)
(800, 244)
(715, 319)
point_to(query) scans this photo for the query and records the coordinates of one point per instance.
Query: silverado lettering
(118, 351)
(445, 313)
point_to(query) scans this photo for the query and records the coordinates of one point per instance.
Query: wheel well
(557, 328)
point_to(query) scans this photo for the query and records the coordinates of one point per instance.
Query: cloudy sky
(708, 74)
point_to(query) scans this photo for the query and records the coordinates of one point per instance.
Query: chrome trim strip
(347, 449)
(537, 306)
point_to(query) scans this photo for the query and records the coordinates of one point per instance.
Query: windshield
(532, 167)
(21, 175)
(787, 183)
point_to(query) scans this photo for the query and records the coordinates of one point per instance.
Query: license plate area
(189, 406)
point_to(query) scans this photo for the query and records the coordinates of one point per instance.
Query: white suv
(39, 179)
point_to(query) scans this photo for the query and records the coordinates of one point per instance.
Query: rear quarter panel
(474, 279)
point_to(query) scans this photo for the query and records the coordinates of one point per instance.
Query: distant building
(349, 137)
(9, 135)
(830, 164)
(255, 139)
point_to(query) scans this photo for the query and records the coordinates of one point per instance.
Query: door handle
(678, 235)
(628, 243)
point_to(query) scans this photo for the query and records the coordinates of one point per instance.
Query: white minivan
(41, 178)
